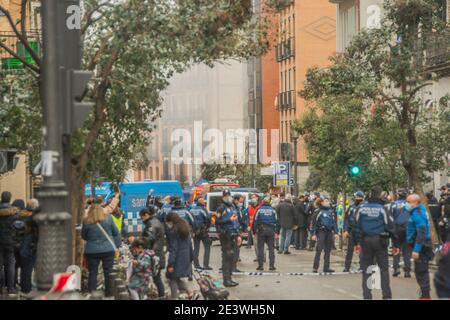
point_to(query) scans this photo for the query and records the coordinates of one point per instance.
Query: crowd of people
(174, 231)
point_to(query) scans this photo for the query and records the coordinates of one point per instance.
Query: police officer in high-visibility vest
(324, 227)
(374, 227)
(202, 223)
(264, 226)
(229, 235)
(350, 230)
(401, 218)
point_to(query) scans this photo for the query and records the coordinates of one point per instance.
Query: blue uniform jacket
(372, 220)
(399, 213)
(266, 215)
(184, 214)
(418, 232)
(223, 222)
(200, 215)
(350, 218)
(325, 219)
(164, 211)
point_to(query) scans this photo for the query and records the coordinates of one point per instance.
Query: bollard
(112, 283)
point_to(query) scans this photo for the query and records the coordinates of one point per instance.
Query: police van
(134, 195)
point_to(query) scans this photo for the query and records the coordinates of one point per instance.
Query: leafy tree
(387, 70)
(134, 47)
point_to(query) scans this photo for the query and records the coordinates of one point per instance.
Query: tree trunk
(392, 174)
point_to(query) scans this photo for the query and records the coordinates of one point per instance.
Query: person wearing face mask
(238, 201)
(374, 226)
(350, 230)
(323, 229)
(202, 222)
(401, 217)
(264, 226)
(418, 237)
(228, 227)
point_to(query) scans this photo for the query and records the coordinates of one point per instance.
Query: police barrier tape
(279, 274)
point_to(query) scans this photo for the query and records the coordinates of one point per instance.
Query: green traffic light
(355, 170)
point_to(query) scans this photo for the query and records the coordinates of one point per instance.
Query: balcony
(8, 62)
(280, 5)
(285, 49)
(433, 54)
(286, 100)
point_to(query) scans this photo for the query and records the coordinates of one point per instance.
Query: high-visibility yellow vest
(118, 222)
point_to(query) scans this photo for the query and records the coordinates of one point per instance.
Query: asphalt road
(283, 285)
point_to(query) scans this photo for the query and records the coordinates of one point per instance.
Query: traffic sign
(281, 174)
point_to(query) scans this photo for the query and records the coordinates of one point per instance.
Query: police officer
(350, 230)
(310, 214)
(374, 226)
(202, 223)
(182, 212)
(401, 218)
(323, 227)
(418, 237)
(238, 202)
(228, 235)
(264, 226)
(165, 209)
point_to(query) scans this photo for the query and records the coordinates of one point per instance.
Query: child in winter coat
(143, 265)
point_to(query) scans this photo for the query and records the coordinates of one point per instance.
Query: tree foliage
(372, 101)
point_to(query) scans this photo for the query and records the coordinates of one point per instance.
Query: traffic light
(355, 170)
(79, 110)
(8, 161)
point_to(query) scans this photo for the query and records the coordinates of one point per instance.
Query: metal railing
(432, 53)
(285, 49)
(286, 100)
(9, 38)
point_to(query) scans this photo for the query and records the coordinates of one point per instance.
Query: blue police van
(134, 197)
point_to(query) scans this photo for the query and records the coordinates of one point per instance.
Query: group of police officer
(371, 226)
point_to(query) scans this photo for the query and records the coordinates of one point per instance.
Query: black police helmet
(226, 192)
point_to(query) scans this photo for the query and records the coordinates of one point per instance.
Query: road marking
(278, 274)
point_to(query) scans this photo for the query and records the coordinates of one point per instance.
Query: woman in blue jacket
(181, 254)
(99, 231)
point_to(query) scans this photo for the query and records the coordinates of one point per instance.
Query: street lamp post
(294, 138)
(53, 256)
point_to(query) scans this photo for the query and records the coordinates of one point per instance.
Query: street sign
(281, 174)
(291, 181)
(267, 171)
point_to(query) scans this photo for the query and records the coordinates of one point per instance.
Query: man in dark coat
(301, 233)
(7, 242)
(288, 221)
(153, 235)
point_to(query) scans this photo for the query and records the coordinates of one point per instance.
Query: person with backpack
(401, 218)
(202, 223)
(7, 243)
(98, 231)
(144, 266)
